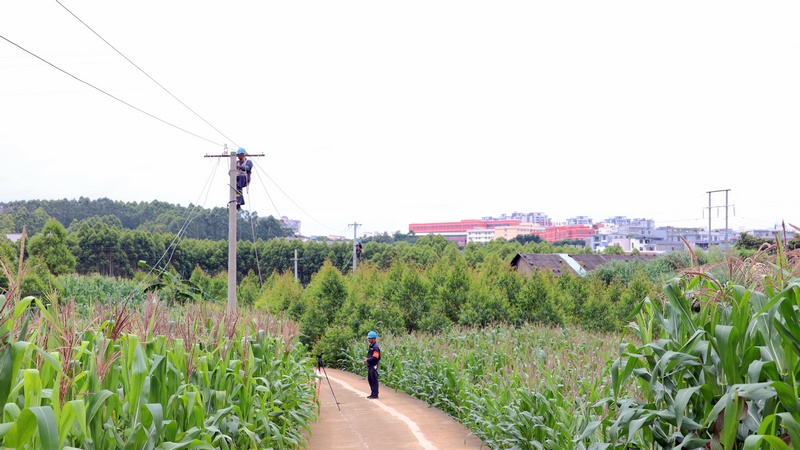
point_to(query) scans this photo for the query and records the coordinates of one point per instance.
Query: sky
(383, 114)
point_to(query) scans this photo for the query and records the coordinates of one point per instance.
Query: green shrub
(333, 345)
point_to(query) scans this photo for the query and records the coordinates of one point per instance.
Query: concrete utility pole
(295, 264)
(355, 243)
(726, 215)
(232, 172)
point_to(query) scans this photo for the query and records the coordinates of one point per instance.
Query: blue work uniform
(373, 357)
(242, 179)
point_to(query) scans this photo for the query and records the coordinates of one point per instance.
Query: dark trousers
(241, 183)
(372, 377)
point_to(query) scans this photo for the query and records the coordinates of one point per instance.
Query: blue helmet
(372, 335)
(240, 151)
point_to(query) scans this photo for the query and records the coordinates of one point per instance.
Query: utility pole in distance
(295, 265)
(232, 172)
(726, 215)
(355, 243)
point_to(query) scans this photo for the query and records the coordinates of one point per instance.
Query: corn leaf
(21, 306)
(755, 441)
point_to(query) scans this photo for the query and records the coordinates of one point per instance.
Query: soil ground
(394, 421)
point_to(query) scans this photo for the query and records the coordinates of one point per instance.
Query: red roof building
(457, 231)
(560, 232)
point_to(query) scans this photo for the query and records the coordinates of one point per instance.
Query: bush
(333, 345)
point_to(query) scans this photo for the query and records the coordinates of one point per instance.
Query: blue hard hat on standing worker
(372, 360)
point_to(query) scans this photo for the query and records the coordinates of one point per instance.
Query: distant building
(510, 232)
(14, 237)
(561, 232)
(604, 228)
(532, 217)
(457, 231)
(640, 244)
(510, 228)
(771, 233)
(579, 220)
(480, 235)
(293, 225)
(638, 234)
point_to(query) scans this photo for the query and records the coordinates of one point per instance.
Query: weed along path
(394, 421)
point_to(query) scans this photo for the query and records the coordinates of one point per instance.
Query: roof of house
(561, 262)
(533, 261)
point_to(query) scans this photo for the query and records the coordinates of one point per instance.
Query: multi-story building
(561, 232)
(480, 235)
(457, 231)
(618, 220)
(293, 225)
(511, 232)
(771, 233)
(638, 233)
(604, 228)
(579, 220)
(532, 217)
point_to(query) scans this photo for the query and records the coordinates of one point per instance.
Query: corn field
(714, 364)
(192, 377)
(514, 387)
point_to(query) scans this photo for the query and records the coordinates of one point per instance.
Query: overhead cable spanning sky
(388, 114)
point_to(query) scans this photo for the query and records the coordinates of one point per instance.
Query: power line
(146, 74)
(287, 196)
(255, 246)
(173, 245)
(106, 93)
(267, 192)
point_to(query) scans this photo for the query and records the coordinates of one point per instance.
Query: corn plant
(89, 290)
(528, 387)
(118, 384)
(717, 365)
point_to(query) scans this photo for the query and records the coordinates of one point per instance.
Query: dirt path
(395, 421)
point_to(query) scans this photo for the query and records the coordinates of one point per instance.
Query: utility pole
(232, 172)
(295, 264)
(726, 215)
(355, 243)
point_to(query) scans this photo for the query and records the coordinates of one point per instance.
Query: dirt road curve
(395, 421)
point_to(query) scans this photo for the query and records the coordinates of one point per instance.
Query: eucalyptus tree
(97, 248)
(51, 246)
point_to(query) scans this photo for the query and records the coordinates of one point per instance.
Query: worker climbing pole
(243, 168)
(238, 159)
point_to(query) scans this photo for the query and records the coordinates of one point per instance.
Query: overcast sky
(390, 113)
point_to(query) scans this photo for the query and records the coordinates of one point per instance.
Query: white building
(511, 232)
(480, 235)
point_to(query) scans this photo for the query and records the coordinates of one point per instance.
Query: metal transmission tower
(232, 226)
(726, 206)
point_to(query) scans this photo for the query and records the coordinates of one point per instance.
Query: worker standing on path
(243, 167)
(373, 357)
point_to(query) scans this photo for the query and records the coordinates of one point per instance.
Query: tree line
(100, 245)
(194, 222)
(427, 285)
